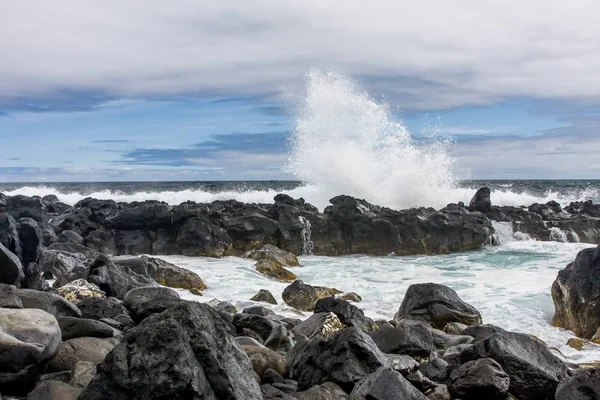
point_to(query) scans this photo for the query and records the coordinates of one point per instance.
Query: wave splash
(347, 143)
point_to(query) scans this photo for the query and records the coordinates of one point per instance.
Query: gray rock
(50, 302)
(264, 296)
(273, 253)
(344, 358)
(72, 327)
(64, 266)
(54, 390)
(403, 364)
(263, 358)
(481, 200)
(321, 324)
(436, 370)
(8, 297)
(481, 332)
(188, 351)
(413, 340)
(300, 296)
(481, 379)
(27, 338)
(349, 314)
(533, 370)
(386, 383)
(116, 280)
(11, 270)
(326, 391)
(584, 384)
(81, 349)
(436, 305)
(83, 373)
(101, 307)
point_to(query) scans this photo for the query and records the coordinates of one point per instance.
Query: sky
(199, 90)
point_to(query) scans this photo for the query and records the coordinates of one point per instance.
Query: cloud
(236, 150)
(464, 131)
(112, 141)
(430, 54)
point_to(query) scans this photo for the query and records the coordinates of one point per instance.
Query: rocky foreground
(110, 328)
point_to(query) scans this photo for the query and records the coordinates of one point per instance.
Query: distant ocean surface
(504, 192)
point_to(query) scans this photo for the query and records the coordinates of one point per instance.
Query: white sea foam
(508, 284)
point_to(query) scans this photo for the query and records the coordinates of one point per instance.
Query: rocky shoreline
(111, 328)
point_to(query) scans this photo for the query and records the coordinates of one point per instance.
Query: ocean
(509, 283)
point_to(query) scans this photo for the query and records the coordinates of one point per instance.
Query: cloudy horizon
(145, 90)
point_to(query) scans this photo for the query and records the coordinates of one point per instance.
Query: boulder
(264, 296)
(481, 200)
(145, 301)
(28, 337)
(188, 351)
(326, 391)
(171, 275)
(116, 280)
(50, 302)
(441, 393)
(72, 327)
(83, 373)
(72, 351)
(300, 296)
(480, 379)
(256, 323)
(263, 358)
(201, 237)
(481, 332)
(78, 290)
(385, 383)
(54, 390)
(11, 270)
(101, 307)
(436, 305)
(436, 370)
(351, 296)
(403, 364)
(412, 340)
(274, 270)
(323, 325)
(71, 236)
(576, 294)
(344, 358)
(65, 267)
(349, 314)
(584, 384)
(9, 234)
(273, 253)
(280, 340)
(533, 370)
(8, 297)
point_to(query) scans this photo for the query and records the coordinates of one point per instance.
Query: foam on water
(508, 284)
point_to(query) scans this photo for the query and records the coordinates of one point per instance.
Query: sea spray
(307, 243)
(347, 143)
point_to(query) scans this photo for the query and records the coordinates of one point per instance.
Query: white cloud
(459, 130)
(448, 53)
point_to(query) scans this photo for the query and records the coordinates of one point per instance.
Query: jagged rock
(71, 236)
(134, 242)
(256, 323)
(222, 306)
(420, 381)
(78, 290)
(273, 253)
(481, 332)
(437, 305)
(141, 215)
(402, 363)
(300, 295)
(436, 370)
(452, 355)
(344, 358)
(101, 307)
(415, 341)
(83, 373)
(50, 302)
(201, 237)
(326, 391)
(72, 327)
(116, 280)
(280, 340)
(145, 301)
(79, 349)
(274, 270)
(263, 358)
(11, 270)
(349, 314)
(439, 393)
(259, 310)
(455, 328)
(272, 393)
(577, 343)
(186, 352)
(576, 294)
(481, 200)
(54, 390)
(171, 275)
(323, 325)
(584, 384)
(481, 379)
(351, 296)
(270, 376)
(386, 383)
(27, 338)
(264, 296)
(442, 340)
(8, 297)
(9, 234)
(533, 370)
(64, 266)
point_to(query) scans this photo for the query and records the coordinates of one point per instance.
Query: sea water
(347, 143)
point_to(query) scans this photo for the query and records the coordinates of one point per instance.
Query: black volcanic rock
(481, 200)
